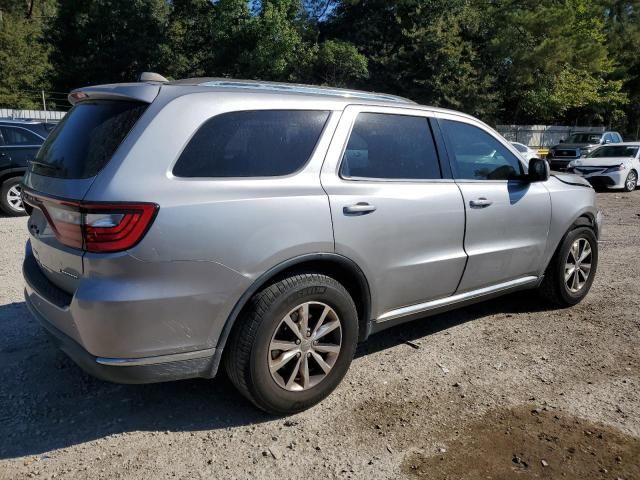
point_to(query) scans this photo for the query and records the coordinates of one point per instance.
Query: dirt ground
(503, 389)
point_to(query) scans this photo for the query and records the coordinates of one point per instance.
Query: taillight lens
(96, 227)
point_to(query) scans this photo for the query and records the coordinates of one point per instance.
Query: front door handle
(480, 203)
(360, 208)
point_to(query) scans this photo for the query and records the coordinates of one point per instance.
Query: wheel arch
(337, 266)
(584, 219)
(10, 173)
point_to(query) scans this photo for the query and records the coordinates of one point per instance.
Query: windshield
(86, 138)
(584, 138)
(614, 151)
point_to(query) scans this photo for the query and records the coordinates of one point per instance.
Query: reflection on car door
(20, 144)
(507, 218)
(393, 212)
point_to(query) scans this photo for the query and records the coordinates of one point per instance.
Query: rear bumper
(139, 370)
(116, 338)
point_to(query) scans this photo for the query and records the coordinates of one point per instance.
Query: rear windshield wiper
(55, 168)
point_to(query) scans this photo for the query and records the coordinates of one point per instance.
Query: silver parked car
(177, 228)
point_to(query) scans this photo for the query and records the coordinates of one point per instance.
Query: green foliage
(278, 51)
(339, 64)
(553, 62)
(622, 27)
(24, 64)
(422, 49)
(97, 41)
(503, 60)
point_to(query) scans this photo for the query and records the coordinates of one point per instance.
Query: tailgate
(61, 175)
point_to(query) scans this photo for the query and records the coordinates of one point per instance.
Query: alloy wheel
(578, 265)
(305, 346)
(14, 198)
(631, 182)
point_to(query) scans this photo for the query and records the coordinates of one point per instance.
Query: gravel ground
(501, 388)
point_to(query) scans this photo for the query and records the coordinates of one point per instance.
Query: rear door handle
(480, 203)
(360, 208)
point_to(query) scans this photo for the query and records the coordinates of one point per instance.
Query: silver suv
(181, 227)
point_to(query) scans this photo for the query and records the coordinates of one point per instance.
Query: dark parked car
(578, 145)
(19, 143)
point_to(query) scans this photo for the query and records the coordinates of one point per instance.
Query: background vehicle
(577, 145)
(19, 143)
(527, 152)
(610, 166)
(278, 225)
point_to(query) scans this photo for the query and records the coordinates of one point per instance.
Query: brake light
(94, 226)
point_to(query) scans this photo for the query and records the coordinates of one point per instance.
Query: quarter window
(478, 155)
(390, 147)
(263, 143)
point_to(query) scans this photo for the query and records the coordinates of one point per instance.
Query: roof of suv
(286, 88)
(147, 91)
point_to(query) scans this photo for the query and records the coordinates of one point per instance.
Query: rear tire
(631, 182)
(572, 269)
(10, 200)
(273, 357)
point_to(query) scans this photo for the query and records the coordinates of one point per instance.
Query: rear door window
(86, 138)
(388, 146)
(261, 143)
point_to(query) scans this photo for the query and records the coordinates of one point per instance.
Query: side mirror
(538, 170)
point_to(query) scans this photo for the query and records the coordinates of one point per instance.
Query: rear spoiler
(140, 92)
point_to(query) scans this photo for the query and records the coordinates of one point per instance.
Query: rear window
(86, 138)
(390, 147)
(264, 143)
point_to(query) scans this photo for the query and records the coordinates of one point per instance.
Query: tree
(422, 49)
(622, 27)
(339, 64)
(278, 50)
(207, 39)
(281, 42)
(105, 41)
(24, 63)
(552, 62)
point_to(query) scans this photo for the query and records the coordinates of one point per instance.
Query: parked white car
(527, 152)
(610, 166)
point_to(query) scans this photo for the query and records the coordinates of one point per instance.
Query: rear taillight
(95, 227)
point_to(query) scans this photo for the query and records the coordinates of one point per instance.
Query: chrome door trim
(175, 357)
(461, 297)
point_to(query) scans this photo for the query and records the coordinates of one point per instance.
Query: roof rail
(308, 89)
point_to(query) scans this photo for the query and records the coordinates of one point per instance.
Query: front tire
(10, 197)
(631, 182)
(294, 344)
(572, 269)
